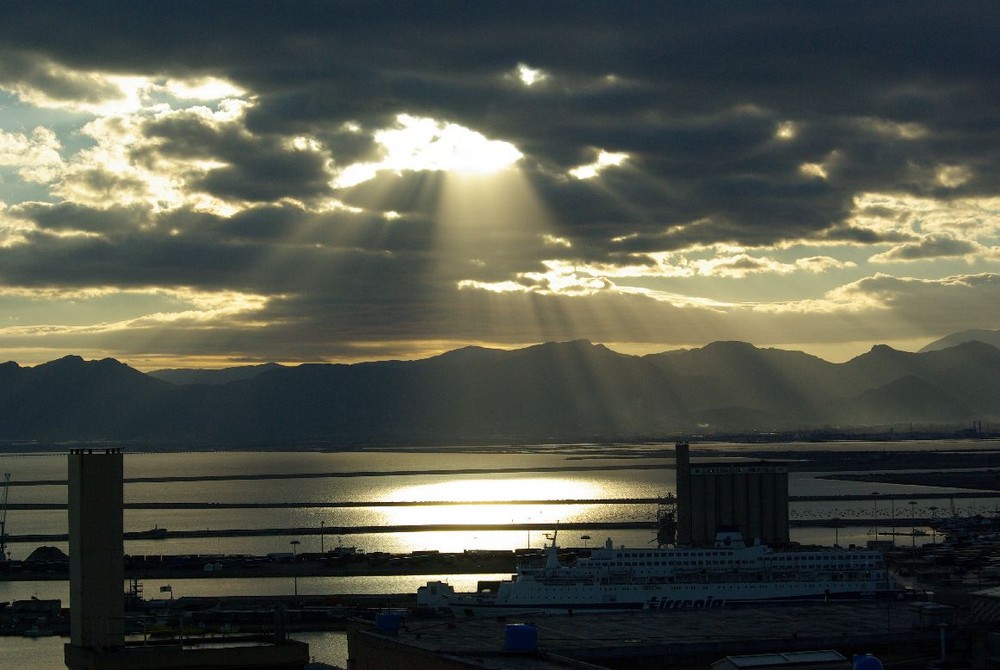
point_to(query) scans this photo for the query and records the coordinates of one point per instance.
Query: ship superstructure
(729, 573)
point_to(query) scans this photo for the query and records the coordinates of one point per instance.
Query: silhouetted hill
(548, 392)
(739, 375)
(71, 397)
(991, 337)
(223, 376)
(903, 398)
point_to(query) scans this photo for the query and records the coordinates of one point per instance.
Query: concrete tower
(746, 496)
(96, 550)
(97, 587)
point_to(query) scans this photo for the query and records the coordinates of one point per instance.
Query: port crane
(3, 518)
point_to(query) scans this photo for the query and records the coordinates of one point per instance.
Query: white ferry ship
(729, 573)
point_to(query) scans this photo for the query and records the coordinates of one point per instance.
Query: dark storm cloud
(293, 227)
(67, 217)
(136, 262)
(20, 68)
(696, 94)
(258, 169)
(139, 263)
(265, 250)
(933, 246)
(865, 235)
(749, 124)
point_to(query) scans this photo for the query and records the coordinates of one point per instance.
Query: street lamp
(933, 510)
(295, 575)
(836, 532)
(322, 536)
(875, 515)
(585, 538)
(913, 524)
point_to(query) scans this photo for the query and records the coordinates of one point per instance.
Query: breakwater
(439, 527)
(195, 505)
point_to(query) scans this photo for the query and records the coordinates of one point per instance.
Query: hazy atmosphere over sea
(193, 184)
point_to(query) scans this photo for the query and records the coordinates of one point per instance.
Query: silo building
(751, 497)
(96, 584)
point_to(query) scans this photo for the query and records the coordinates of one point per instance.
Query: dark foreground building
(97, 578)
(677, 639)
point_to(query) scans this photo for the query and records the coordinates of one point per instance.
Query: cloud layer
(200, 183)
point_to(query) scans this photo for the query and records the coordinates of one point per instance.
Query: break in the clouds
(203, 183)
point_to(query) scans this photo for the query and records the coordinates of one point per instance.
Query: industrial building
(96, 557)
(97, 597)
(648, 640)
(751, 497)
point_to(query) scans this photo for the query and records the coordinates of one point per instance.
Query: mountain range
(548, 392)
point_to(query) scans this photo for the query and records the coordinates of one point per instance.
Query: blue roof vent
(520, 637)
(388, 622)
(866, 662)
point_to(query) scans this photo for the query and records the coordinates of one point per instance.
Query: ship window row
(800, 558)
(625, 564)
(653, 554)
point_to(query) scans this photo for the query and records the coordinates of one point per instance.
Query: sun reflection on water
(499, 489)
(494, 501)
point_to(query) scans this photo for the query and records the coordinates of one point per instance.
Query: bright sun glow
(205, 88)
(496, 490)
(424, 144)
(478, 491)
(605, 159)
(786, 130)
(530, 76)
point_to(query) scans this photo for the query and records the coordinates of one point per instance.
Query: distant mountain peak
(181, 377)
(569, 344)
(736, 345)
(989, 337)
(885, 351)
(70, 359)
(74, 362)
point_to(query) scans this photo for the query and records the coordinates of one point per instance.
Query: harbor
(330, 550)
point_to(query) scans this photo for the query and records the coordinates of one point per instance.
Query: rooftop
(786, 659)
(697, 636)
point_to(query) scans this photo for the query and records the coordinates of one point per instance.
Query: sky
(209, 184)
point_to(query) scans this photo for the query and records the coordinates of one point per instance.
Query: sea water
(538, 486)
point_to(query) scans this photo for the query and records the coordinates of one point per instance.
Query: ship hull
(549, 600)
(680, 578)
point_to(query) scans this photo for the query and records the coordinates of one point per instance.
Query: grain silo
(751, 497)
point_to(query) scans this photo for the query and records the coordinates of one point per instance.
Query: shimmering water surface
(545, 476)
